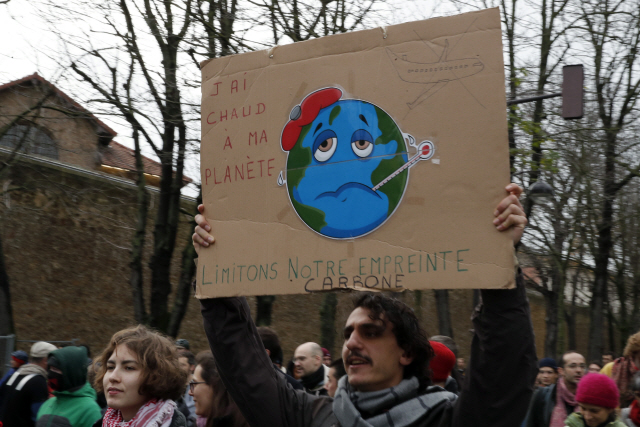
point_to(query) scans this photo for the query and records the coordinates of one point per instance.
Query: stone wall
(67, 235)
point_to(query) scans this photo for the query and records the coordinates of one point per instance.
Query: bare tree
(613, 31)
(536, 41)
(301, 20)
(144, 89)
(626, 258)
(328, 320)
(217, 36)
(444, 316)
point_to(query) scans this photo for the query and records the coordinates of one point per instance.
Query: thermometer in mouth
(426, 150)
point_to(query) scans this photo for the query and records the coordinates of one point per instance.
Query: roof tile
(118, 156)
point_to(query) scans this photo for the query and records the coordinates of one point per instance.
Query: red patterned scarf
(154, 413)
(563, 397)
(622, 371)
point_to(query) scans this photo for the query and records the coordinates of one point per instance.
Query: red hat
(442, 363)
(598, 390)
(305, 113)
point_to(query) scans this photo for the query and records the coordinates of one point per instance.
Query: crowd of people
(601, 393)
(142, 379)
(389, 372)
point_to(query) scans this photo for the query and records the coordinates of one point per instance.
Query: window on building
(30, 139)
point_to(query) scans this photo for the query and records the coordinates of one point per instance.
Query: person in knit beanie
(442, 363)
(547, 371)
(597, 396)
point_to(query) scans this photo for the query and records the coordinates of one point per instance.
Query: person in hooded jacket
(74, 402)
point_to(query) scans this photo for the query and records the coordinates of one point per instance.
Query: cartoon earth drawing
(347, 167)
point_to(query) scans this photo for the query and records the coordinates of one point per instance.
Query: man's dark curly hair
(406, 327)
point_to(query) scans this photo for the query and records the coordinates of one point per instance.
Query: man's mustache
(356, 353)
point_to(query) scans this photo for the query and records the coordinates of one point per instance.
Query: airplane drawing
(435, 75)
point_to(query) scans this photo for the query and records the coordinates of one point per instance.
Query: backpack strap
(24, 381)
(13, 378)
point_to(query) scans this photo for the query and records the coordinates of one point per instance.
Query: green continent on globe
(297, 162)
(394, 189)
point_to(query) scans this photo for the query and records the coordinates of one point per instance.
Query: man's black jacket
(496, 391)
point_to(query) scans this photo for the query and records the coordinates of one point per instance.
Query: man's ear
(406, 359)
(561, 372)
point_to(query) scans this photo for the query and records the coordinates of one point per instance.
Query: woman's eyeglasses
(192, 384)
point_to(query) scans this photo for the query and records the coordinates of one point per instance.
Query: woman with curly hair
(141, 379)
(623, 368)
(212, 400)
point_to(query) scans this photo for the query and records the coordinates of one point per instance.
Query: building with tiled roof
(64, 131)
(70, 219)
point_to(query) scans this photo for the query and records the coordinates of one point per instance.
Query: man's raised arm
(502, 369)
(242, 362)
(263, 394)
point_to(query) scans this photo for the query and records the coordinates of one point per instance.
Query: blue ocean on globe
(349, 148)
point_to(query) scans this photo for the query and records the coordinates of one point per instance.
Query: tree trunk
(510, 22)
(418, 304)
(611, 329)
(444, 317)
(264, 309)
(635, 315)
(328, 321)
(183, 293)
(163, 244)
(551, 322)
(136, 277)
(605, 245)
(187, 273)
(570, 318)
(570, 314)
(6, 311)
(166, 225)
(596, 336)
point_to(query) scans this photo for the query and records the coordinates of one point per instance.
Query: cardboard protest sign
(368, 160)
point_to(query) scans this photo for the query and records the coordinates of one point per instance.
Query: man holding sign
(386, 356)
